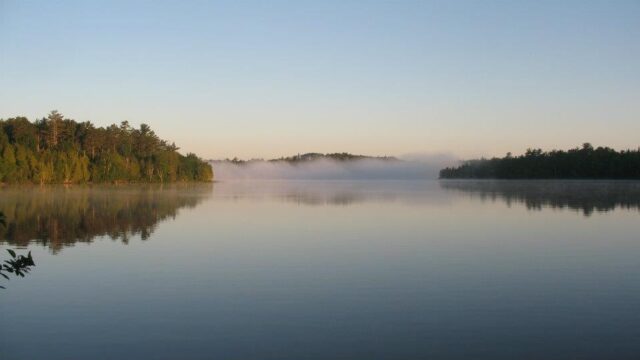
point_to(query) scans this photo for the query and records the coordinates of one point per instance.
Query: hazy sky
(271, 78)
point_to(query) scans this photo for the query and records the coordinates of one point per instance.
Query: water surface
(325, 270)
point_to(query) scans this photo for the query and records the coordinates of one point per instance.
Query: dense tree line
(59, 150)
(586, 162)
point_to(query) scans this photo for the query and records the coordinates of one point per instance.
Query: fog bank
(323, 169)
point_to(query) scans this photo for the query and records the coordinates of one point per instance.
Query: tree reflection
(58, 217)
(584, 196)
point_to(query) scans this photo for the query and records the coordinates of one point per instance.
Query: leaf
(13, 253)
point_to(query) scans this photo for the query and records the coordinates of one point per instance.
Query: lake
(324, 270)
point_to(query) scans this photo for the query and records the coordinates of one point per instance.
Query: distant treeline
(586, 162)
(59, 150)
(301, 158)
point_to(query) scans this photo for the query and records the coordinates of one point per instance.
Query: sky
(262, 79)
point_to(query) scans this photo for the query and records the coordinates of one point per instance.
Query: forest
(584, 162)
(59, 150)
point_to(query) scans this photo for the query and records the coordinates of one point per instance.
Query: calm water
(325, 270)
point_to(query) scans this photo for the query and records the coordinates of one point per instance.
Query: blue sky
(271, 78)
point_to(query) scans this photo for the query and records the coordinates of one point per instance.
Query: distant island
(309, 157)
(59, 150)
(584, 162)
(318, 166)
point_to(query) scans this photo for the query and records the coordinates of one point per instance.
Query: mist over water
(415, 167)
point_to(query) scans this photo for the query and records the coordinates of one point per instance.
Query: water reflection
(333, 192)
(584, 196)
(61, 216)
(298, 270)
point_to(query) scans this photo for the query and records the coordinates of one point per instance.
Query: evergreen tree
(584, 162)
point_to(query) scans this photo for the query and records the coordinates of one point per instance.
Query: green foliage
(586, 162)
(59, 150)
(18, 265)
